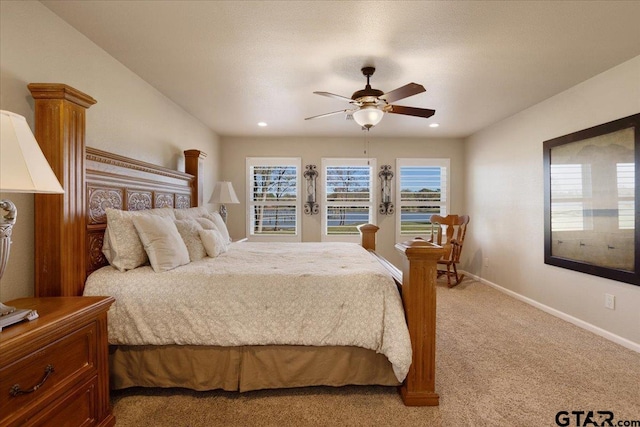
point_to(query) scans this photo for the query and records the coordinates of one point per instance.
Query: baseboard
(564, 316)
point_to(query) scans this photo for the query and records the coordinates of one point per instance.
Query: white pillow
(124, 244)
(205, 223)
(188, 229)
(106, 246)
(213, 242)
(191, 213)
(220, 225)
(162, 242)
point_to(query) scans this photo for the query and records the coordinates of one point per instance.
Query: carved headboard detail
(118, 182)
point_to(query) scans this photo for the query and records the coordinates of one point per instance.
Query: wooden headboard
(69, 228)
(118, 182)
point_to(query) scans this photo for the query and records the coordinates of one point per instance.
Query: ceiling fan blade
(328, 114)
(409, 111)
(333, 95)
(402, 92)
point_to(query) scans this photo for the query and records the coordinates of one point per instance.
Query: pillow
(188, 229)
(191, 213)
(106, 246)
(213, 242)
(220, 225)
(205, 223)
(161, 241)
(125, 246)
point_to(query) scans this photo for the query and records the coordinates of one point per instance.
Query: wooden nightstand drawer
(70, 359)
(74, 409)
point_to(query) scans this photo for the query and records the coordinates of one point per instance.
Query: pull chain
(366, 146)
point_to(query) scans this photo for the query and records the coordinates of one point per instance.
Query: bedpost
(60, 218)
(368, 234)
(192, 167)
(419, 300)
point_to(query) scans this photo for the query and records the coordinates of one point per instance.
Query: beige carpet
(500, 362)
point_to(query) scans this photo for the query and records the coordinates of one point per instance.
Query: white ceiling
(232, 64)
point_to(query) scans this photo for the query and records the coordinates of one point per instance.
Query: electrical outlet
(610, 301)
(486, 262)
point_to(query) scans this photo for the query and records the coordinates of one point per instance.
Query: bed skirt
(246, 368)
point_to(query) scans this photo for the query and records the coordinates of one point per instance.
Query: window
(348, 192)
(422, 190)
(273, 199)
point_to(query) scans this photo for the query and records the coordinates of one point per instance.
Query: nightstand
(54, 370)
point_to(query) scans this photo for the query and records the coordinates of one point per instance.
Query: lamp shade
(368, 116)
(224, 193)
(23, 167)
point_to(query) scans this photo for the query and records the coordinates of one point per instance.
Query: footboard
(417, 281)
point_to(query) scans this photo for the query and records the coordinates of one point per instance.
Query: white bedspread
(312, 294)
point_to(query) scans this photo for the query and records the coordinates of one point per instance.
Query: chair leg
(458, 278)
(449, 275)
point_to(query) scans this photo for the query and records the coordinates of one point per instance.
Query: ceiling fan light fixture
(368, 116)
(371, 104)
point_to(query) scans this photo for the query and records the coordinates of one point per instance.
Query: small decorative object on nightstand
(12, 315)
(54, 370)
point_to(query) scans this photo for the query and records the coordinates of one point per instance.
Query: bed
(70, 232)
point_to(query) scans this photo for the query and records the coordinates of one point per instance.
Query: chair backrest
(449, 232)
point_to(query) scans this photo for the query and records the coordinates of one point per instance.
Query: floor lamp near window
(23, 169)
(224, 193)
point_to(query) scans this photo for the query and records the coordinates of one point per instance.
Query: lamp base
(6, 225)
(9, 315)
(223, 213)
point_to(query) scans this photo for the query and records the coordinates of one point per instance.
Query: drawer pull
(16, 391)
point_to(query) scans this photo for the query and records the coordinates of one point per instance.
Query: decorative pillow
(205, 223)
(191, 213)
(188, 229)
(125, 246)
(220, 225)
(213, 242)
(162, 242)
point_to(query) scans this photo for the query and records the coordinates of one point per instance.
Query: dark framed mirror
(592, 190)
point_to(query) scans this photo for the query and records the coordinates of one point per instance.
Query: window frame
(274, 161)
(371, 204)
(445, 207)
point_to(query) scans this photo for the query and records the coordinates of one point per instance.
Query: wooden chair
(449, 233)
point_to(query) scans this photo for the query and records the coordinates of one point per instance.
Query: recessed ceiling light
(262, 124)
(434, 125)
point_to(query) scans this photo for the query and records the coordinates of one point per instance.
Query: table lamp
(223, 193)
(23, 169)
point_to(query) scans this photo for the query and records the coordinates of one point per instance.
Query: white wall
(504, 196)
(131, 118)
(312, 150)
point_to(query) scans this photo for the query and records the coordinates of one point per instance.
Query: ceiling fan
(371, 104)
